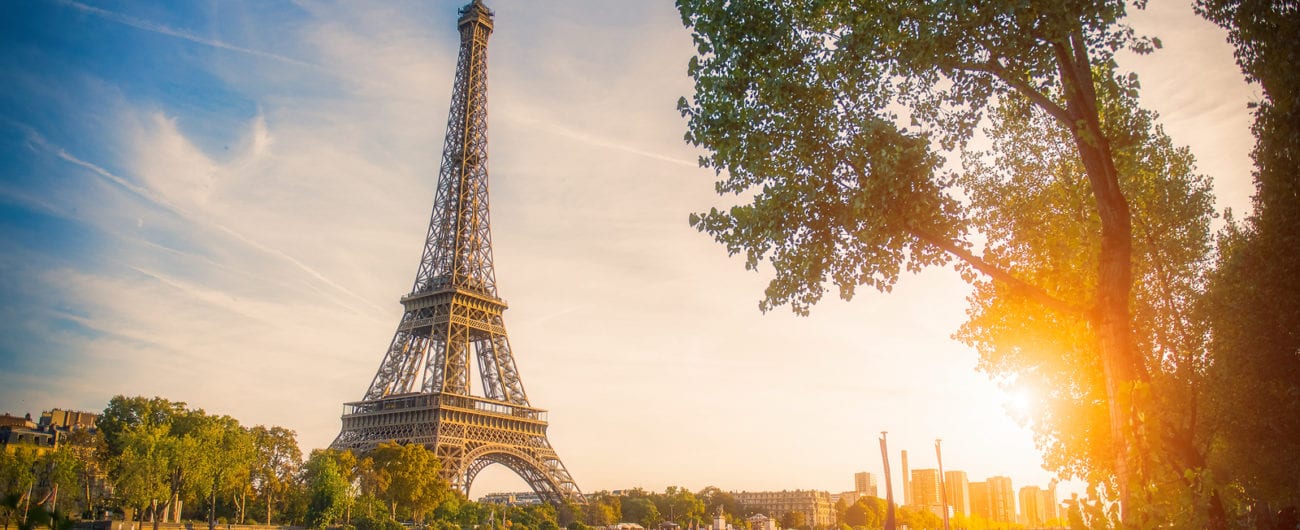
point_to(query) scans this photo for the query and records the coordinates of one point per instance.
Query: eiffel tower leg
(457, 361)
(435, 368)
(488, 370)
(390, 374)
(511, 385)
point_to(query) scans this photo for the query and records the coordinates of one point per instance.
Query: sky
(221, 202)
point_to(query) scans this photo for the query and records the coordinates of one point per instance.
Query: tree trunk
(153, 515)
(268, 506)
(212, 506)
(1121, 367)
(243, 502)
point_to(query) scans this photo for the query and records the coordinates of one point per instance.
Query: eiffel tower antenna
(421, 393)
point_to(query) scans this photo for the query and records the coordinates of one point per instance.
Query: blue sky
(221, 202)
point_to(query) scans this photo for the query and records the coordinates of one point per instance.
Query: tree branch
(1038, 98)
(995, 67)
(997, 273)
(993, 271)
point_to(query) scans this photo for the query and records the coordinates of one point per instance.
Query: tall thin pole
(890, 524)
(943, 489)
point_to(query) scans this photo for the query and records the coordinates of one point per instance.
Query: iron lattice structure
(421, 393)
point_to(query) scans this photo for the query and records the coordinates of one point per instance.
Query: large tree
(1254, 303)
(681, 506)
(642, 511)
(1027, 194)
(410, 475)
(140, 470)
(225, 453)
(798, 102)
(328, 496)
(124, 412)
(275, 462)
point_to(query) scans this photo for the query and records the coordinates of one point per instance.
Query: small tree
(327, 490)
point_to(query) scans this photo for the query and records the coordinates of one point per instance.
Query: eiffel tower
(421, 393)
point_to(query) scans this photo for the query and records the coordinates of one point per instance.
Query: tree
(87, 447)
(855, 515)
(62, 476)
(1254, 301)
(140, 471)
(143, 428)
(867, 512)
(276, 460)
(225, 454)
(642, 511)
(188, 456)
(327, 490)
(793, 101)
(716, 500)
(1028, 195)
(17, 478)
(411, 474)
(123, 412)
(918, 518)
(791, 520)
(601, 512)
(681, 506)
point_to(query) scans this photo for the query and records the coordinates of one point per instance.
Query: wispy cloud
(162, 29)
(590, 139)
(196, 218)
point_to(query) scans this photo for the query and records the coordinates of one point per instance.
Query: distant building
(67, 420)
(814, 505)
(1032, 513)
(865, 484)
(16, 432)
(925, 490)
(1002, 500)
(849, 497)
(958, 489)
(9, 420)
(1038, 506)
(980, 504)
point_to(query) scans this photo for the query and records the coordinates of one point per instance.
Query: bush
(379, 521)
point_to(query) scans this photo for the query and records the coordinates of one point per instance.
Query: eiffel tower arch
(421, 392)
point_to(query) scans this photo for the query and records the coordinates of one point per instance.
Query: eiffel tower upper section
(458, 249)
(455, 279)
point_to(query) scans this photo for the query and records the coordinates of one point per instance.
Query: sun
(1019, 401)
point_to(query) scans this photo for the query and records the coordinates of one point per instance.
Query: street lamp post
(943, 489)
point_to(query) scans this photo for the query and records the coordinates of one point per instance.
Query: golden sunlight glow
(1019, 401)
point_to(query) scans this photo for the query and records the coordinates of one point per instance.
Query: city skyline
(250, 211)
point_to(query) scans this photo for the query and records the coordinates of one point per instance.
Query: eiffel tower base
(467, 434)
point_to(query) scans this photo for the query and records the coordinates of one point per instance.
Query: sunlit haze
(221, 203)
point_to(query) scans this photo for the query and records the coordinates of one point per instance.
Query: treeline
(868, 513)
(154, 460)
(151, 459)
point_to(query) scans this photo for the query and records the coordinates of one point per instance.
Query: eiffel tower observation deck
(421, 393)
